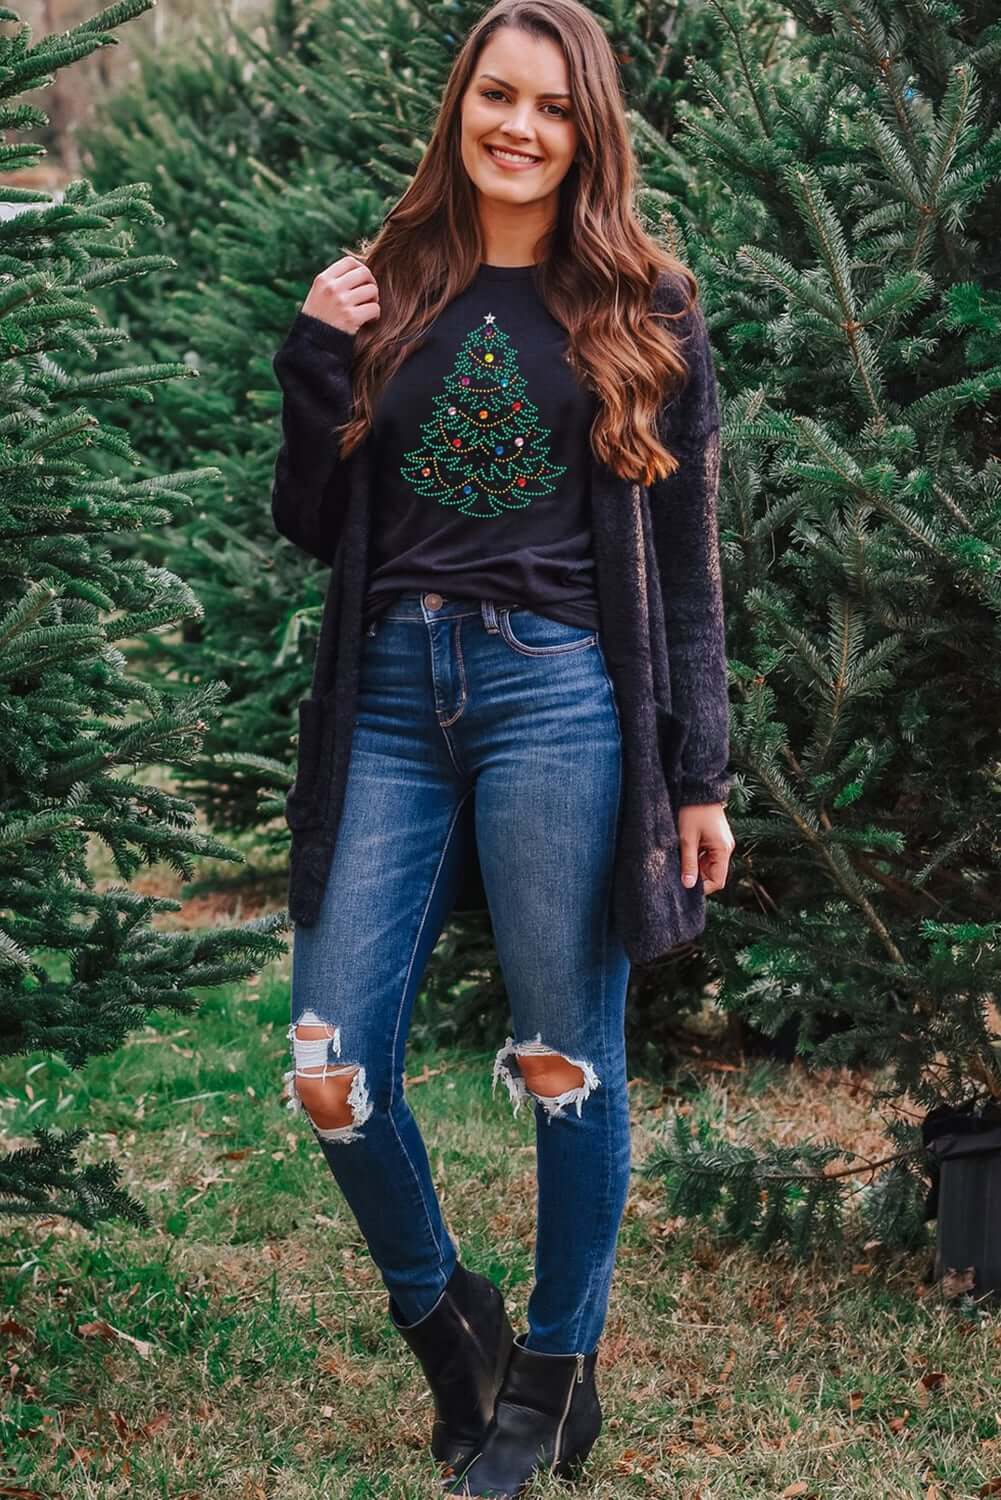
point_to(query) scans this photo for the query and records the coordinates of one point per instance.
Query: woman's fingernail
(688, 879)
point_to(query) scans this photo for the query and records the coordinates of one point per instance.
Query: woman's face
(522, 105)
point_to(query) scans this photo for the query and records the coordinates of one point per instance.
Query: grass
(241, 1347)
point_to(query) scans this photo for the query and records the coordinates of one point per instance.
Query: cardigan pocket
(307, 797)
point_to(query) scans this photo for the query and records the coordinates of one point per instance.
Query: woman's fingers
(705, 845)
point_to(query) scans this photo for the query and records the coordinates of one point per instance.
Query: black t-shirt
(481, 446)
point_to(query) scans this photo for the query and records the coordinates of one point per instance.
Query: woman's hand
(706, 845)
(344, 295)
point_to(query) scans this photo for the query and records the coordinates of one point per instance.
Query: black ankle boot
(462, 1346)
(547, 1418)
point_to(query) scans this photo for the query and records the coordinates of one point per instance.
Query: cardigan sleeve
(309, 487)
(686, 541)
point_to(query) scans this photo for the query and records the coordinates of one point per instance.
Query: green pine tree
(483, 451)
(81, 960)
(200, 123)
(851, 285)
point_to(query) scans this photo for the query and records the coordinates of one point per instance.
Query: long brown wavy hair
(597, 266)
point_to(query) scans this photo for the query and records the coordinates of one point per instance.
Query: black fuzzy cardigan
(662, 632)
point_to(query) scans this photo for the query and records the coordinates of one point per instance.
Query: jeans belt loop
(489, 614)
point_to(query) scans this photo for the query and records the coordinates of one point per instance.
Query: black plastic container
(965, 1160)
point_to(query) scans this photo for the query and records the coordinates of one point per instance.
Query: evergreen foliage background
(81, 960)
(855, 307)
(836, 191)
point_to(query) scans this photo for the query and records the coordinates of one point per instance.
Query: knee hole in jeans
(333, 1096)
(554, 1081)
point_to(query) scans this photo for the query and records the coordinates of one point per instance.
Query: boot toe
(470, 1484)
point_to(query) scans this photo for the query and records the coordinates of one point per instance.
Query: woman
(519, 690)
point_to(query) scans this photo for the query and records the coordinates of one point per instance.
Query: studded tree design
(484, 452)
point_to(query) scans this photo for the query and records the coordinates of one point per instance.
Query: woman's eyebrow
(553, 94)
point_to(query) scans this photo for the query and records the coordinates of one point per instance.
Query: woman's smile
(516, 161)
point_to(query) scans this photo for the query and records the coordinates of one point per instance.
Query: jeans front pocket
(532, 634)
(307, 796)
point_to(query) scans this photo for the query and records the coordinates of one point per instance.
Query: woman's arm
(309, 491)
(686, 541)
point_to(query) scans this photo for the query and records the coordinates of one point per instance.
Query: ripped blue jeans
(463, 698)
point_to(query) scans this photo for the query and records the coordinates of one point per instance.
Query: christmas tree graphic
(483, 451)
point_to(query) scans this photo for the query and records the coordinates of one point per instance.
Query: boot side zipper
(576, 1380)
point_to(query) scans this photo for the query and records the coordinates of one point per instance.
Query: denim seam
(451, 750)
(603, 1012)
(443, 725)
(399, 1016)
(464, 687)
(510, 639)
(615, 705)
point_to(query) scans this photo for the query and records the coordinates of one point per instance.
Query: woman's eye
(563, 113)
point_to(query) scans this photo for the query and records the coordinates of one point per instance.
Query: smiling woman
(514, 128)
(520, 673)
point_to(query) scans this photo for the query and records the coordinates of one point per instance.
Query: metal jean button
(433, 601)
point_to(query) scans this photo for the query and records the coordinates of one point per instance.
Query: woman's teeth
(513, 157)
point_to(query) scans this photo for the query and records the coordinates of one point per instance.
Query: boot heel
(570, 1468)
